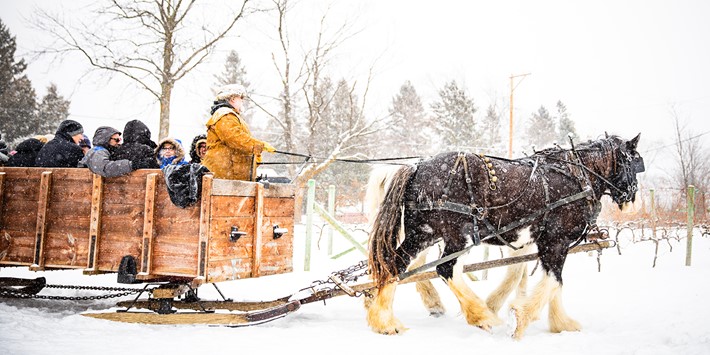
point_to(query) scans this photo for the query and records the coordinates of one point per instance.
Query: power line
(674, 143)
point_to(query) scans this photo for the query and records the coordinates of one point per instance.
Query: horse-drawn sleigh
(129, 226)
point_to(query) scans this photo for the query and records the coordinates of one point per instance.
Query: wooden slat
(258, 220)
(148, 214)
(205, 217)
(97, 201)
(2, 195)
(43, 202)
(221, 187)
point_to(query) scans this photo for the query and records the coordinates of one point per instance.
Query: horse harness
(478, 213)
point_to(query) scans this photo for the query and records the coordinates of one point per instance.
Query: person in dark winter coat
(63, 150)
(85, 144)
(198, 148)
(26, 153)
(184, 183)
(98, 159)
(4, 152)
(137, 146)
(170, 151)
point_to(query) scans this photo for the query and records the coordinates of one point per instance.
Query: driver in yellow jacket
(230, 145)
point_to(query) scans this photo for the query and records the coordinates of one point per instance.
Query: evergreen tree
(541, 129)
(455, 123)
(490, 133)
(409, 131)
(17, 97)
(53, 110)
(9, 68)
(566, 129)
(235, 73)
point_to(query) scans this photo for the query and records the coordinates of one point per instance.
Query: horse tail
(385, 229)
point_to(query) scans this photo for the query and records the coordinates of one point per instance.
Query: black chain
(8, 293)
(347, 275)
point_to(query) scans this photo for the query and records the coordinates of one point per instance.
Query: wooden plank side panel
(258, 223)
(19, 247)
(176, 238)
(97, 202)
(148, 221)
(18, 215)
(279, 207)
(230, 269)
(229, 206)
(40, 229)
(121, 222)
(277, 254)
(67, 228)
(205, 217)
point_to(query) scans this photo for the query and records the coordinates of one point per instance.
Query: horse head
(625, 164)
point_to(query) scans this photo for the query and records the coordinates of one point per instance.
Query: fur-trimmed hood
(179, 151)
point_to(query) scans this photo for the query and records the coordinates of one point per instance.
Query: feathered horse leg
(515, 276)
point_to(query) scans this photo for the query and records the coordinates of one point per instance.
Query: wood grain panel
(230, 206)
(279, 207)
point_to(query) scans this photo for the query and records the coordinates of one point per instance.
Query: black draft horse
(551, 200)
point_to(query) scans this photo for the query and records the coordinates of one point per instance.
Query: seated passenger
(198, 148)
(4, 152)
(98, 159)
(169, 151)
(85, 144)
(137, 146)
(25, 153)
(63, 150)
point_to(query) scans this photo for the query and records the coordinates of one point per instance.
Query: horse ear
(632, 144)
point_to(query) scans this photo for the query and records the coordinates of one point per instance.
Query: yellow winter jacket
(230, 146)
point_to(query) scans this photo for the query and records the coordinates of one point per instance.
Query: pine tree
(455, 123)
(17, 97)
(235, 73)
(410, 132)
(541, 129)
(490, 132)
(9, 68)
(566, 129)
(52, 110)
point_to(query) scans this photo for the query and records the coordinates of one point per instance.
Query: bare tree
(306, 84)
(147, 41)
(692, 159)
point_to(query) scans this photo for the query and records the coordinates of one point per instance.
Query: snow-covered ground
(627, 308)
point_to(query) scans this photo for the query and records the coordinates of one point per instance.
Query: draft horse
(550, 200)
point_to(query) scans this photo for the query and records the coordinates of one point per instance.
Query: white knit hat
(228, 91)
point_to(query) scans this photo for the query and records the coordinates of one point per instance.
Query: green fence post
(653, 212)
(331, 210)
(310, 200)
(691, 215)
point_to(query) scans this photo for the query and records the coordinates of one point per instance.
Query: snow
(627, 308)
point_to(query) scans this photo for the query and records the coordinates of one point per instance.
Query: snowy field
(627, 308)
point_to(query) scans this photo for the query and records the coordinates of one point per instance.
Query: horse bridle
(630, 166)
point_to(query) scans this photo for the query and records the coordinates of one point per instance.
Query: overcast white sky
(618, 65)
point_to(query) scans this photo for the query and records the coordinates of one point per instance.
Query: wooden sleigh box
(52, 218)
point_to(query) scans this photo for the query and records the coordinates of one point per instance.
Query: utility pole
(512, 88)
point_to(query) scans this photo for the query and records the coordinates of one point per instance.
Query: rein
(363, 161)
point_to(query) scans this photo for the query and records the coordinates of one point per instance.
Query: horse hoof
(568, 325)
(436, 314)
(520, 323)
